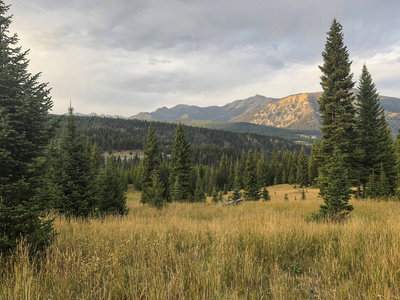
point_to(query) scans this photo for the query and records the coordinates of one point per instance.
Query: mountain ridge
(297, 112)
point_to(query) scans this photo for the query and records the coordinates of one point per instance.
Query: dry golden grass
(257, 250)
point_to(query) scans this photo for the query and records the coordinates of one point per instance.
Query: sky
(122, 57)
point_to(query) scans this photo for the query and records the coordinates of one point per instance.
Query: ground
(256, 250)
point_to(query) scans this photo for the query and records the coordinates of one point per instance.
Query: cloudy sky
(127, 56)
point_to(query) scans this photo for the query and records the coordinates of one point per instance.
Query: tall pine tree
(150, 164)
(302, 169)
(24, 134)
(251, 189)
(181, 164)
(375, 138)
(78, 190)
(336, 104)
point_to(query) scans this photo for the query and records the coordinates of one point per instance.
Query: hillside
(208, 145)
(295, 112)
(304, 136)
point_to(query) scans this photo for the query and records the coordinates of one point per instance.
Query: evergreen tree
(336, 103)
(78, 198)
(150, 164)
(302, 169)
(265, 194)
(199, 195)
(112, 194)
(156, 192)
(337, 192)
(252, 189)
(181, 164)
(375, 138)
(24, 135)
(313, 164)
(215, 196)
(222, 172)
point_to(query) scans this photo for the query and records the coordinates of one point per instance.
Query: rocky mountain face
(212, 113)
(293, 112)
(298, 112)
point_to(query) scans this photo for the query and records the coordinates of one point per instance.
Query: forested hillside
(208, 145)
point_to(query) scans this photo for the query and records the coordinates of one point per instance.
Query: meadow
(256, 250)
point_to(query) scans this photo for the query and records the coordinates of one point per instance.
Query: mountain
(212, 113)
(295, 112)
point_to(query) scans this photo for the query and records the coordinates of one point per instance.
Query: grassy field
(257, 250)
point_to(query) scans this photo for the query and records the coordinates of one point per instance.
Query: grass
(256, 250)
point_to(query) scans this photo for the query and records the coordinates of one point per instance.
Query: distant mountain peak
(298, 111)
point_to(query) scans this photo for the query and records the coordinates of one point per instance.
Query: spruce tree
(313, 164)
(156, 192)
(150, 164)
(265, 194)
(252, 189)
(112, 194)
(302, 169)
(337, 192)
(24, 135)
(78, 198)
(181, 164)
(336, 104)
(199, 195)
(375, 138)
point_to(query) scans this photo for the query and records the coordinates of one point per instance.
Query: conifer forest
(109, 208)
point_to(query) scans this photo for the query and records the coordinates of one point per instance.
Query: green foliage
(336, 104)
(78, 189)
(303, 195)
(24, 135)
(215, 196)
(375, 139)
(150, 164)
(236, 194)
(112, 198)
(181, 164)
(199, 195)
(337, 192)
(313, 164)
(252, 189)
(302, 169)
(265, 194)
(156, 192)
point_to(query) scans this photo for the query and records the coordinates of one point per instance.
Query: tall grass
(257, 250)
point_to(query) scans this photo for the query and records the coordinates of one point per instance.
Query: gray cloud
(124, 56)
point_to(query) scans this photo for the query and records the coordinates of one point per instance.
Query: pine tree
(265, 194)
(181, 164)
(302, 169)
(252, 189)
(150, 164)
(24, 135)
(156, 192)
(199, 195)
(336, 103)
(313, 164)
(112, 194)
(215, 196)
(337, 192)
(77, 195)
(375, 138)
